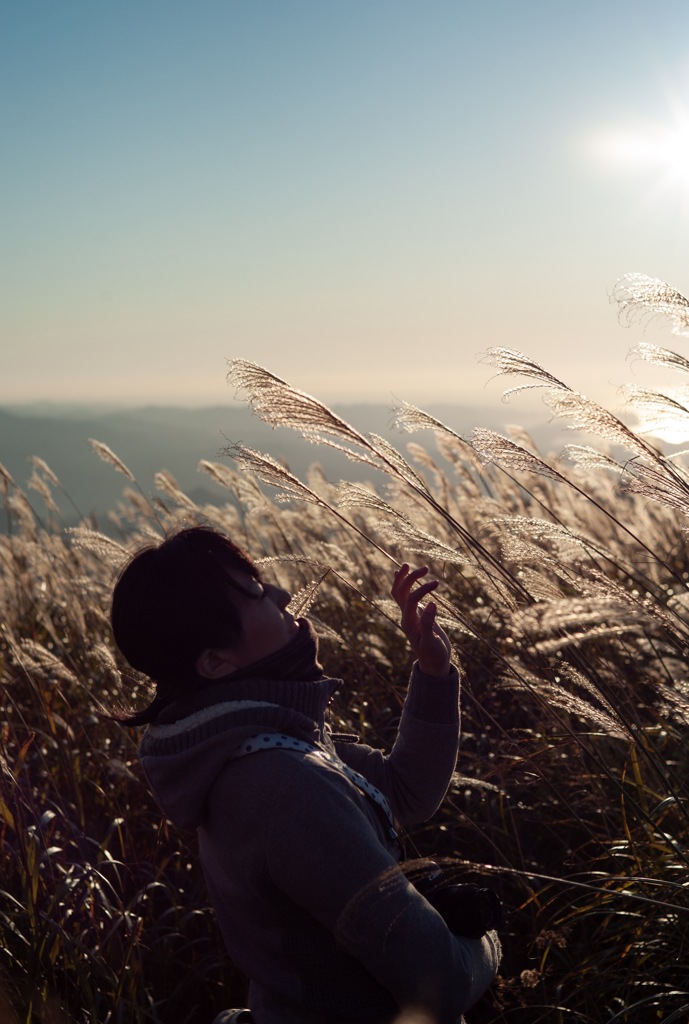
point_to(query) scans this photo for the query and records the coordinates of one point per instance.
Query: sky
(361, 196)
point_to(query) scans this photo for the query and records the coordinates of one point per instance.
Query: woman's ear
(215, 662)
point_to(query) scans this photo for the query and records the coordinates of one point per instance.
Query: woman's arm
(416, 773)
(323, 853)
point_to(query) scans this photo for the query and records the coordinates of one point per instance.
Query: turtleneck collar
(286, 678)
(291, 678)
(298, 659)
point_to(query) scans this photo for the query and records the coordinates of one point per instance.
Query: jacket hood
(187, 747)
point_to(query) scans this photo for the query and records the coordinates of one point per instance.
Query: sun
(659, 150)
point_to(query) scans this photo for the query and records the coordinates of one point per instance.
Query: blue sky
(361, 196)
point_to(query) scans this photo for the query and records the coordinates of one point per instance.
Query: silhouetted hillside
(176, 439)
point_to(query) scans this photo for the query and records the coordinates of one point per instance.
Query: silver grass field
(564, 591)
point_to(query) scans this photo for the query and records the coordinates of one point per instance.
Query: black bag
(469, 910)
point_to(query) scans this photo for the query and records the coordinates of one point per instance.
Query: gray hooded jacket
(300, 864)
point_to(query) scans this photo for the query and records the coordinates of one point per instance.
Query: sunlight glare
(660, 150)
(669, 423)
(662, 147)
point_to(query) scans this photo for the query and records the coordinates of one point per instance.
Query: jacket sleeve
(324, 853)
(415, 775)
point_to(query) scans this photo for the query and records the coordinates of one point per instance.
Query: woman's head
(174, 600)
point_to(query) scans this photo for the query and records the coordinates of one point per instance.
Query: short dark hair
(171, 602)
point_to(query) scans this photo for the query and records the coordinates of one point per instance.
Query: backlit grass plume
(641, 298)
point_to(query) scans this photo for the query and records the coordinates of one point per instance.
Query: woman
(296, 826)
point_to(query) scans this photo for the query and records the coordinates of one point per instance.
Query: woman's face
(266, 626)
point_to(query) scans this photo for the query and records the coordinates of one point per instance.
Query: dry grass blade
(410, 418)
(521, 436)
(369, 457)
(391, 457)
(166, 483)
(278, 560)
(641, 298)
(107, 455)
(561, 698)
(659, 356)
(398, 528)
(249, 494)
(406, 535)
(591, 458)
(42, 466)
(654, 482)
(529, 539)
(494, 447)
(107, 548)
(20, 508)
(38, 484)
(304, 598)
(271, 472)
(351, 495)
(566, 620)
(451, 445)
(511, 362)
(659, 411)
(578, 638)
(281, 405)
(649, 612)
(674, 700)
(44, 664)
(421, 455)
(579, 681)
(222, 475)
(585, 414)
(538, 585)
(6, 475)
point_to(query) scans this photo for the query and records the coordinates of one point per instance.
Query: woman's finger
(404, 581)
(421, 592)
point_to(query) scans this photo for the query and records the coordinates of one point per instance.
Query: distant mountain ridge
(153, 438)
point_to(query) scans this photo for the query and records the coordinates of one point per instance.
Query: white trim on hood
(161, 732)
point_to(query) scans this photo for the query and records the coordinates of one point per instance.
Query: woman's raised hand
(426, 638)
